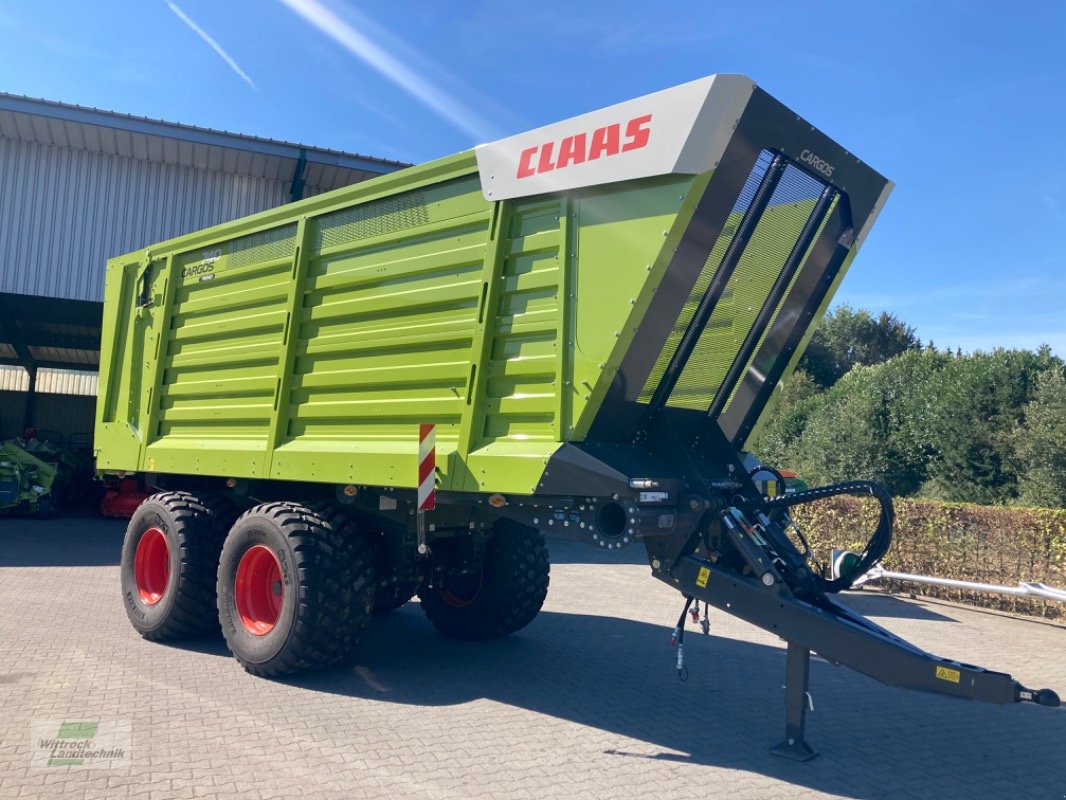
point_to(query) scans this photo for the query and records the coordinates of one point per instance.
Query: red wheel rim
(151, 566)
(462, 599)
(258, 591)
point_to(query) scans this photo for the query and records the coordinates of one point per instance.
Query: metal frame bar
(474, 411)
(159, 343)
(722, 274)
(817, 277)
(283, 374)
(621, 413)
(840, 635)
(797, 698)
(762, 320)
(296, 187)
(11, 362)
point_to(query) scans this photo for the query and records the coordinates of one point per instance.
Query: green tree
(847, 337)
(871, 424)
(1040, 444)
(776, 440)
(975, 405)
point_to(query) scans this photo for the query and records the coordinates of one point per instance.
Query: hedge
(989, 544)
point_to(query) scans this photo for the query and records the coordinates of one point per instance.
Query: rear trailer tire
(506, 596)
(295, 588)
(168, 567)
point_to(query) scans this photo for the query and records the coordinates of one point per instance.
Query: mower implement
(593, 316)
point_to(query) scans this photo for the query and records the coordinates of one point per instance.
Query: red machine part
(122, 496)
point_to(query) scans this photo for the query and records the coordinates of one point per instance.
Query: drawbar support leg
(797, 676)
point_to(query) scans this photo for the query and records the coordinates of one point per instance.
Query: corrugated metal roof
(80, 185)
(49, 332)
(76, 127)
(66, 355)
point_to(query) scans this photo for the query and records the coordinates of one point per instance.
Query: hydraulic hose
(879, 542)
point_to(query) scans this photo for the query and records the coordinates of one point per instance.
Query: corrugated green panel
(385, 323)
(220, 354)
(523, 380)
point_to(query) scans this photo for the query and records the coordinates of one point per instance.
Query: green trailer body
(307, 343)
(594, 315)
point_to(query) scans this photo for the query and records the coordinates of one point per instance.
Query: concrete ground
(584, 703)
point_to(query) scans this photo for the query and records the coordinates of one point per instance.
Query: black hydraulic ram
(842, 637)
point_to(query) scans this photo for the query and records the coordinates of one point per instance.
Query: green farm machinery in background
(34, 475)
(590, 318)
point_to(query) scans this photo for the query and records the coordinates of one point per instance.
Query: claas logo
(581, 147)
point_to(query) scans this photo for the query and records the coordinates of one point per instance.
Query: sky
(962, 104)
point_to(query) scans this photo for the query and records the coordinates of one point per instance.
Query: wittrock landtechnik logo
(81, 745)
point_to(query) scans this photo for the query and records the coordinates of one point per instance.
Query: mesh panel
(747, 290)
(784, 299)
(379, 217)
(263, 246)
(747, 194)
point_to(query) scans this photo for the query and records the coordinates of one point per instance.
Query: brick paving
(584, 703)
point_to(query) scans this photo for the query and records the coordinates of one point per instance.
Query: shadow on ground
(617, 675)
(876, 604)
(72, 539)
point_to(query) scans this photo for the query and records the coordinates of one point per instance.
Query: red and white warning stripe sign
(427, 467)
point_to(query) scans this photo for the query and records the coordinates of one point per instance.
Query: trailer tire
(295, 588)
(508, 595)
(169, 560)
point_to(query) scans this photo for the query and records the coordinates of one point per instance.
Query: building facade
(80, 185)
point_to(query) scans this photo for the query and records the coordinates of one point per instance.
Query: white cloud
(233, 65)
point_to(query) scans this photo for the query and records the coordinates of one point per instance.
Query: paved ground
(583, 703)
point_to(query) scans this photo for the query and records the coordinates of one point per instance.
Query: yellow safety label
(950, 675)
(704, 576)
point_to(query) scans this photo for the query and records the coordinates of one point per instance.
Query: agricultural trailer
(589, 318)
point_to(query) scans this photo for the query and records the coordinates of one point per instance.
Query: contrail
(367, 50)
(233, 65)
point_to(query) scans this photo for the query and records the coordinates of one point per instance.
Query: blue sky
(960, 103)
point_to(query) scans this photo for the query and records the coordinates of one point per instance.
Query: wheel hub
(259, 592)
(151, 566)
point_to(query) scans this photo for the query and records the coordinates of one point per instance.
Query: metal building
(79, 185)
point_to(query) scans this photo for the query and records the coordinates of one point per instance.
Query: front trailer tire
(295, 588)
(169, 561)
(504, 598)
